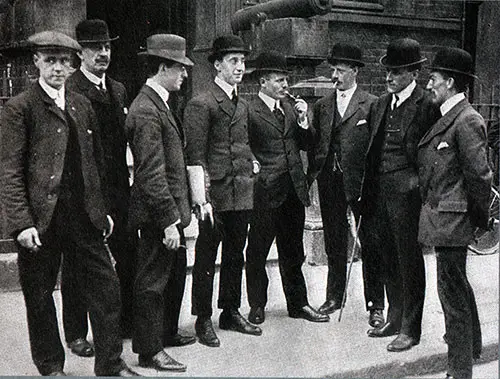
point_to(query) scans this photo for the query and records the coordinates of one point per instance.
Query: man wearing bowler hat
(390, 202)
(51, 190)
(217, 148)
(159, 204)
(109, 101)
(336, 161)
(455, 183)
(278, 129)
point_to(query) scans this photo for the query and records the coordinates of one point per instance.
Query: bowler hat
(402, 52)
(343, 52)
(51, 39)
(226, 44)
(167, 46)
(93, 31)
(270, 61)
(453, 59)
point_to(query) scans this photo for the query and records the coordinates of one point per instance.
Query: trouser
(463, 329)
(82, 247)
(158, 290)
(286, 223)
(230, 228)
(123, 249)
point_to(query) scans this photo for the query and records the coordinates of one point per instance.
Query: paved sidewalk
(292, 347)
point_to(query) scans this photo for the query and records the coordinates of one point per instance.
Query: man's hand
(172, 238)
(109, 230)
(300, 109)
(29, 239)
(203, 211)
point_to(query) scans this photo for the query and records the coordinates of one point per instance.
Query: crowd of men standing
(410, 167)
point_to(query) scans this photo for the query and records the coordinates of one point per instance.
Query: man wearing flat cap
(219, 155)
(455, 183)
(53, 200)
(390, 201)
(159, 204)
(336, 161)
(109, 101)
(278, 129)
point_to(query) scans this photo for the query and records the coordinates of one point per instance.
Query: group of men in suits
(409, 172)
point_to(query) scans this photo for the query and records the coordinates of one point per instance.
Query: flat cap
(50, 39)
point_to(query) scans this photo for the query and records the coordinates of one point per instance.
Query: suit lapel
(411, 109)
(89, 89)
(353, 105)
(225, 103)
(379, 114)
(265, 113)
(50, 103)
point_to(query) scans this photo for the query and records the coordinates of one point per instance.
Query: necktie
(342, 104)
(234, 97)
(101, 87)
(278, 113)
(59, 100)
(394, 103)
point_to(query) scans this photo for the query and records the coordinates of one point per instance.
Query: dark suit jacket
(34, 140)
(419, 116)
(217, 139)
(455, 178)
(353, 134)
(278, 151)
(159, 193)
(112, 133)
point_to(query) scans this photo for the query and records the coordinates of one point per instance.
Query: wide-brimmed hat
(454, 60)
(227, 44)
(167, 46)
(93, 31)
(50, 39)
(402, 52)
(345, 53)
(269, 61)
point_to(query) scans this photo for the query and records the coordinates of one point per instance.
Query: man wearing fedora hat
(159, 204)
(278, 129)
(109, 101)
(217, 145)
(455, 183)
(53, 200)
(341, 121)
(390, 201)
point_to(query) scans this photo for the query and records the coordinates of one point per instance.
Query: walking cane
(356, 243)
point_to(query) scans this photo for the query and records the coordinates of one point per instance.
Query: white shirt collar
(451, 102)
(161, 91)
(270, 102)
(93, 78)
(226, 87)
(348, 93)
(54, 94)
(405, 93)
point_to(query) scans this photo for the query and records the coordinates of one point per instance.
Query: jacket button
(49, 196)
(59, 130)
(52, 177)
(89, 131)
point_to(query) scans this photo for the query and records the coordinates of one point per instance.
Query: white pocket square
(442, 145)
(361, 122)
(125, 110)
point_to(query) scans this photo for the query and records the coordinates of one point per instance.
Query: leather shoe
(57, 373)
(161, 361)
(178, 340)
(205, 332)
(126, 371)
(402, 342)
(233, 320)
(81, 347)
(309, 313)
(329, 306)
(389, 329)
(257, 315)
(376, 318)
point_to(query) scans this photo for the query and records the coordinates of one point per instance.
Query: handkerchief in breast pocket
(361, 122)
(442, 145)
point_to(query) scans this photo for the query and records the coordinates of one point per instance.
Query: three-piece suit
(281, 193)
(51, 181)
(337, 163)
(159, 198)
(455, 182)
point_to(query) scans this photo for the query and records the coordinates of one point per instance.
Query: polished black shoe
(205, 332)
(161, 361)
(126, 372)
(329, 306)
(309, 313)
(257, 315)
(178, 340)
(233, 320)
(376, 318)
(81, 347)
(57, 373)
(402, 342)
(388, 329)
